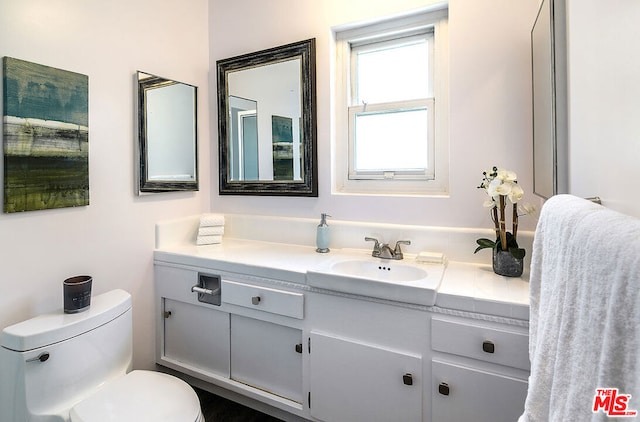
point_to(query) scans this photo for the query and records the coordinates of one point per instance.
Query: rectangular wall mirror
(549, 69)
(168, 140)
(267, 122)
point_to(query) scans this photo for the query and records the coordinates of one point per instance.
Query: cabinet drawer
(262, 298)
(461, 393)
(489, 344)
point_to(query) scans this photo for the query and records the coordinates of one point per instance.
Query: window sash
(426, 173)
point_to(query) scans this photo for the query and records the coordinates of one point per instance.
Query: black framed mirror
(167, 132)
(267, 122)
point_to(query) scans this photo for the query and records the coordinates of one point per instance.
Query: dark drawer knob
(167, 314)
(488, 346)
(443, 388)
(407, 379)
(256, 300)
(299, 347)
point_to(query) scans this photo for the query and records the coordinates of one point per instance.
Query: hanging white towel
(207, 220)
(585, 310)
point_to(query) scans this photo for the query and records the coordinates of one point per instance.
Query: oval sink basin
(380, 278)
(384, 271)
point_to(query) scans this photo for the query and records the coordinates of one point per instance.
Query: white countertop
(464, 287)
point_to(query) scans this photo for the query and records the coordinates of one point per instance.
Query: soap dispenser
(322, 234)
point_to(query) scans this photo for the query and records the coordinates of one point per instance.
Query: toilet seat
(141, 396)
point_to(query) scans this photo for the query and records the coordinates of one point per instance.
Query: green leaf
(484, 244)
(517, 252)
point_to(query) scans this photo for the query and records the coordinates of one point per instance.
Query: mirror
(550, 130)
(168, 142)
(267, 122)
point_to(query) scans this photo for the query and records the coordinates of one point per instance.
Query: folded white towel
(207, 220)
(210, 230)
(585, 310)
(209, 240)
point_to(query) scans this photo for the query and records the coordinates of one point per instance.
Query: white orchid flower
(502, 187)
(527, 209)
(506, 175)
(489, 203)
(516, 193)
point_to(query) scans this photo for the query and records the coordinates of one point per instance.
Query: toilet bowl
(140, 396)
(62, 367)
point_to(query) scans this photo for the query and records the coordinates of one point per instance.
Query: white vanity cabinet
(249, 340)
(479, 370)
(365, 360)
(190, 335)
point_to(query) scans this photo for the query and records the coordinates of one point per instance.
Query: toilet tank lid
(47, 329)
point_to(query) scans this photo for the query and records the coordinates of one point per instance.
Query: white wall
(112, 239)
(604, 101)
(490, 103)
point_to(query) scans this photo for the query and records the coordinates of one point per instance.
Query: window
(391, 101)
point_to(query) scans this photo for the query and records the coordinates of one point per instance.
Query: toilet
(62, 367)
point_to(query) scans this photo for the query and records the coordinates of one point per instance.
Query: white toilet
(75, 367)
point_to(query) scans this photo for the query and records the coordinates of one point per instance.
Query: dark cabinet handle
(167, 314)
(407, 379)
(299, 347)
(443, 388)
(256, 300)
(488, 346)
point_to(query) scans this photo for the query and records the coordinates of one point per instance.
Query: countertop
(464, 287)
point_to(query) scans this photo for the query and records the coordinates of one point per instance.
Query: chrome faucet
(384, 251)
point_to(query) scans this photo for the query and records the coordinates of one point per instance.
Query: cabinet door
(196, 337)
(267, 356)
(463, 394)
(353, 381)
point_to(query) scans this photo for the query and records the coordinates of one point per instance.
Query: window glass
(392, 71)
(391, 141)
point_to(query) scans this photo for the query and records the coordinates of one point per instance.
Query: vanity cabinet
(352, 380)
(365, 360)
(183, 339)
(267, 356)
(479, 370)
(248, 340)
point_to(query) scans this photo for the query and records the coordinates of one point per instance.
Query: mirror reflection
(266, 106)
(265, 137)
(168, 134)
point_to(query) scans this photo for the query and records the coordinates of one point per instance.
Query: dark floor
(218, 409)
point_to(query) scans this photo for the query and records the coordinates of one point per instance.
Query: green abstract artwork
(46, 137)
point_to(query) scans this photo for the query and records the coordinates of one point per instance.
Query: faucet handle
(397, 250)
(376, 246)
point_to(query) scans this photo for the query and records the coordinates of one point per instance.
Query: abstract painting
(46, 137)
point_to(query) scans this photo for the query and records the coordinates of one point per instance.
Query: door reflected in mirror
(266, 107)
(168, 146)
(277, 111)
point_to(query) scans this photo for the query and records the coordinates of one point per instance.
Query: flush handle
(407, 379)
(488, 346)
(42, 357)
(256, 300)
(443, 388)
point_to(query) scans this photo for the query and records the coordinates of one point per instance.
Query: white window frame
(436, 180)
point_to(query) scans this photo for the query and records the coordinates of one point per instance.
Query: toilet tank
(50, 362)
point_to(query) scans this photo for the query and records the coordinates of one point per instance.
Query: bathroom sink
(379, 270)
(402, 281)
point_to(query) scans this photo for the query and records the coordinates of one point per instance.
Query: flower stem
(495, 221)
(503, 228)
(515, 222)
